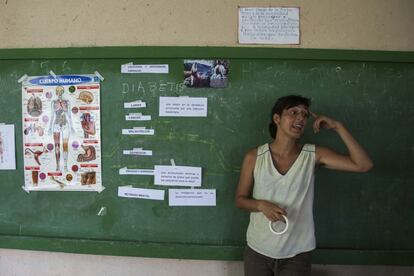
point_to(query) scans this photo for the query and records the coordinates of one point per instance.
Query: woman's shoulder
(309, 147)
(251, 153)
(259, 150)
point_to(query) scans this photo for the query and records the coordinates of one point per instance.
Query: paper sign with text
(183, 107)
(269, 25)
(141, 193)
(145, 68)
(192, 197)
(177, 176)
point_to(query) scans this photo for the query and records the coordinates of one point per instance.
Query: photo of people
(206, 73)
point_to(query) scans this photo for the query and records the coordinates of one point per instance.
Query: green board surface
(360, 218)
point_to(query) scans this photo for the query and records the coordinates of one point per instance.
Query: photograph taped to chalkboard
(206, 73)
(61, 127)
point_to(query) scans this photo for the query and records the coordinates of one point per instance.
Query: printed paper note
(177, 176)
(126, 171)
(138, 131)
(183, 107)
(192, 197)
(274, 25)
(137, 117)
(144, 68)
(138, 151)
(141, 193)
(135, 104)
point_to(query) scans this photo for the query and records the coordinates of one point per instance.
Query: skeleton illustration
(61, 126)
(61, 184)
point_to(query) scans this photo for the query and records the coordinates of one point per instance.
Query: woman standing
(276, 180)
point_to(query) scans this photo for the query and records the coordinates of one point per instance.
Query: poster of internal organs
(61, 133)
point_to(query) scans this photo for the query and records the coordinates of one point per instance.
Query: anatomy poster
(61, 133)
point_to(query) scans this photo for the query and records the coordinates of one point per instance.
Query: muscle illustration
(88, 178)
(56, 139)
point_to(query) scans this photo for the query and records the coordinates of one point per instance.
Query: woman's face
(293, 120)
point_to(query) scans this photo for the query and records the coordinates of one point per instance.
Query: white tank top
(293, 192)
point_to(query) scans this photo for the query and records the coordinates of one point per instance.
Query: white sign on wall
(272, 25)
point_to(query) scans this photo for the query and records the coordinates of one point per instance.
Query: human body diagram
(61, 127)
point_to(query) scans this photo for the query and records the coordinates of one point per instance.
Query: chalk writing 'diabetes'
(151, 88)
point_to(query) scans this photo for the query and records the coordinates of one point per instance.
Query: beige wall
(336, 24)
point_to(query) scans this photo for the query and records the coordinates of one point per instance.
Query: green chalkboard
(360, 218)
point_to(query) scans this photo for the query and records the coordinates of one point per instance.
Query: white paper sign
(273, 25)
(7, 148)
(138, 131)
(126, 171)
(137, 117)
(183, 107)
(138, 151)
(135, 104)
(177, 176)
(129, 192)
(144, 68)
(192, 197)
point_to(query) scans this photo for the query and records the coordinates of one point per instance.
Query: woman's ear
(276, 119)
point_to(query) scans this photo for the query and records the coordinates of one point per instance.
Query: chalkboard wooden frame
(197, 251)
(206, 52)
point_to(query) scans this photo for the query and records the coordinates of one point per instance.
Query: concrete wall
(334, 24)
(337, 24)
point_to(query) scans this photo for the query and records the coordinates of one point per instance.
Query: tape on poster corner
(52, 74)
(25, 189)
(22, 78)
(99, 76)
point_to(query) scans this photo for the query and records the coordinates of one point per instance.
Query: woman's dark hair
(285, 103)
